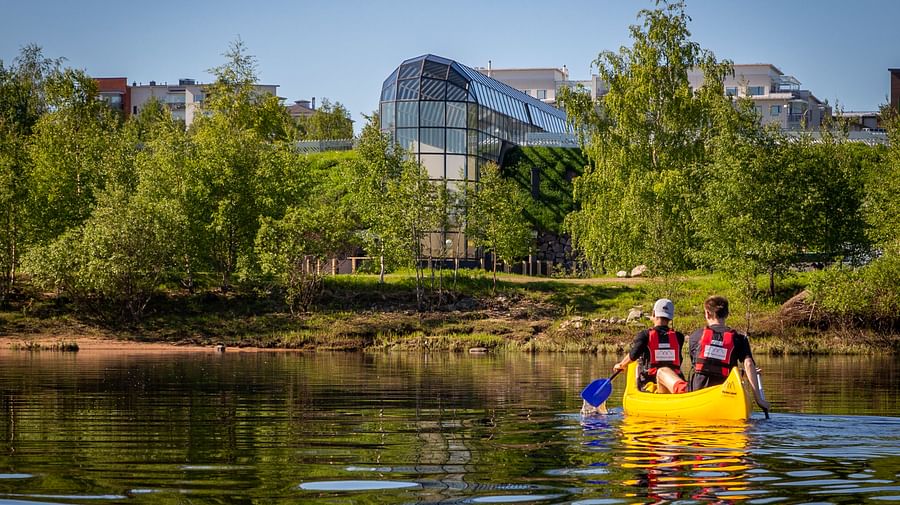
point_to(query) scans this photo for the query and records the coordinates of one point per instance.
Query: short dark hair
(717, 306)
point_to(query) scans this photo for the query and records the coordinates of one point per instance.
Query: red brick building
(116, 92)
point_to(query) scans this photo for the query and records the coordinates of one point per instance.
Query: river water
(197, 427)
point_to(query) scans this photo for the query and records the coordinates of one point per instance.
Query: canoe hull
(728, 401)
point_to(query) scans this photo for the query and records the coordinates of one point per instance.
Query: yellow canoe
(728, 401)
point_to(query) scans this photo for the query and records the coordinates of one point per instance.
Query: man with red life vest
(717, 348)
(658, 352)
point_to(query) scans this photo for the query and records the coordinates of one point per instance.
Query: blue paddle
(598, 391)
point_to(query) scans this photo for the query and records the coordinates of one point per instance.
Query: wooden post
(538, 267)
(353, 265)
(333, 266)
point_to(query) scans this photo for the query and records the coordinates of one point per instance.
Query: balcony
(795, 117)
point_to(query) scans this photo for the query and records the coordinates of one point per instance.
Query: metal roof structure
(431, 77)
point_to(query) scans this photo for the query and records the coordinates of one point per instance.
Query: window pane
(432, 140)
(435, 69)
(472, 116)
(387, 116)
(456, 115)
(408, 90)
(434, 165)
(472, 170)
(456, 141)
(775, 110)
(456, 93)
(407, 114)
(410, 70)
(457, 78)
(408, 138)
(473, 141)
(755, 90)
(432, 113)
(456, 167)
(388, 92)
(434, 90)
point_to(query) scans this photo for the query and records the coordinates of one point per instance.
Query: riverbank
(356, 313)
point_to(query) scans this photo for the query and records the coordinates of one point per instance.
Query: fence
(353, 264)
(318, 146)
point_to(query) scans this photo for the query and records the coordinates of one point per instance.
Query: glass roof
(430, 77)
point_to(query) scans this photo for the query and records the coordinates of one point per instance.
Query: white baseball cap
(664, 308)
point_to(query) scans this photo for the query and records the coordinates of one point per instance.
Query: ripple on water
(16, 475)
(515, 498)
(356, 485)
(592, 470)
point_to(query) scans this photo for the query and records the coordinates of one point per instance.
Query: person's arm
(639, 344)
(750, 372)
(618, 367)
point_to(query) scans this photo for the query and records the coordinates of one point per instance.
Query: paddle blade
(597, 392)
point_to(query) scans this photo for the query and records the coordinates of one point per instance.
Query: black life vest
(663, 352)
(714, 354)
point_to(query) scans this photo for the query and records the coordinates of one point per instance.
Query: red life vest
(663, 353)
(714, 355)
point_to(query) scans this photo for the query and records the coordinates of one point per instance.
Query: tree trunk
(772, 282)
(381, 266)
(494, 260)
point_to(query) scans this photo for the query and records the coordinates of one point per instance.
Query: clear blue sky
(343, 49)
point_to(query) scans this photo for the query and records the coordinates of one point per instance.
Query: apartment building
(778, 98)
(543, 83)
(183, 99)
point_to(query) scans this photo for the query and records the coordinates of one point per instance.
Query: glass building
(454, 118)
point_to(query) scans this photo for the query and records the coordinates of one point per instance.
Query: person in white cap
(658, 352)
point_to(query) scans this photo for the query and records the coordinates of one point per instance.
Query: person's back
(714, 350)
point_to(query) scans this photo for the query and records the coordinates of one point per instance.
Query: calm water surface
(102, 428)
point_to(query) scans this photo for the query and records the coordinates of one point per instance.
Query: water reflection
(676, 460)
(409, 428)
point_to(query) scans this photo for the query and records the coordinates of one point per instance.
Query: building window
(775, 110)
(541, 94)
(756, 90)
(732, 91)
(134, 109)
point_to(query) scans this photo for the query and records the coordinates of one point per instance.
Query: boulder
(634, 315)
(621, 273)
(638, 270)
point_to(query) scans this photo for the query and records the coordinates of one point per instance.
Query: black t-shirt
(740, 353)
(640, 349)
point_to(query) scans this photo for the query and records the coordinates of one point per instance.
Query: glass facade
(454, 119)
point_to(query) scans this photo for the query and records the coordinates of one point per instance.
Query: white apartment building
(777, 97)
(543, 83)
(183, 100)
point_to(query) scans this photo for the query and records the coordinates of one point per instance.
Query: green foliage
(882, 207)
(113, 263)
(68, 150)
(769, 200)
(328, 122)
(395, 199)
(866, 297)
(290, 248)
(555, 167)
(496, 221)
(645, 138)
